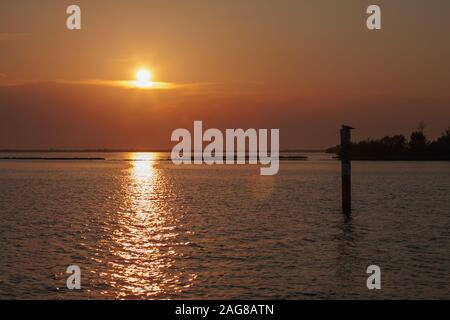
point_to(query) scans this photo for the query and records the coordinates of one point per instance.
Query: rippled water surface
(140, 227)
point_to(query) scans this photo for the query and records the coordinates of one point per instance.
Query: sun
(143, 78)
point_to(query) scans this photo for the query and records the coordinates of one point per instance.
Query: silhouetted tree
(398, 148)
(441, 146)
(418, 142)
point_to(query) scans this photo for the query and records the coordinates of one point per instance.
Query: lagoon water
(140, 227)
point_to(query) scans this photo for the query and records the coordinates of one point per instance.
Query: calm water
(145, 228)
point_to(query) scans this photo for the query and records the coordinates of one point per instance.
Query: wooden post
(346, 169)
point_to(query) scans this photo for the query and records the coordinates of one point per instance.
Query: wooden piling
(346, 169)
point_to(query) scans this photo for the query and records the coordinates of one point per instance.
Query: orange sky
(301, 66)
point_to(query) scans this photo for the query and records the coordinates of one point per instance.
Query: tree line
(398, 147)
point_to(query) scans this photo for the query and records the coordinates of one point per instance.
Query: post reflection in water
(146, 243)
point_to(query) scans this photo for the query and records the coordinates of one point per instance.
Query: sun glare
(143, 78)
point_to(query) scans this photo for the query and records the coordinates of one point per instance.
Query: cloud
(205, 89)
(155, 85)
(215, 89)
(112, 83)
(11, 35)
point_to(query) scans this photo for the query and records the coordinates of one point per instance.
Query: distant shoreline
(281, 158)
(53, 159)
(395, 159)
(123, 150)
(398, 148)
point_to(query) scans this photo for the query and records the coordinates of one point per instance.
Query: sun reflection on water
(143, 167)
(146, 243)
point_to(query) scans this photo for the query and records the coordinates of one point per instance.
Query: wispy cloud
(118, 83)
(186, 88)
(155, 85)
(199, 88)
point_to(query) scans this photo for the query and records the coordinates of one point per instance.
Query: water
(144, 228)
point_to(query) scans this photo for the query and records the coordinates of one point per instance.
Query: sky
(302, 66)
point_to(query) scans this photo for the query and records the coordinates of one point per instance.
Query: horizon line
(107, 150)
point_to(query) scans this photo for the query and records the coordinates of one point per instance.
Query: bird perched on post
(347, 127)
